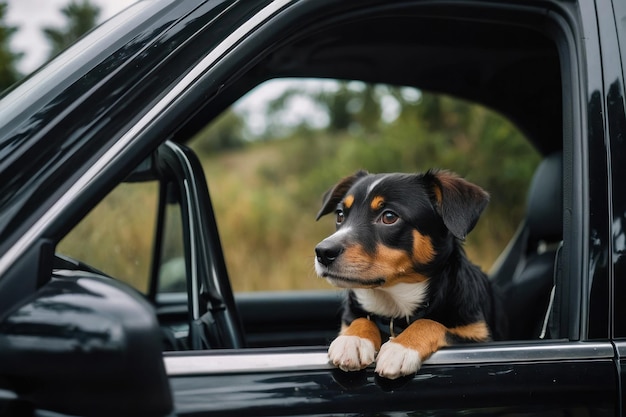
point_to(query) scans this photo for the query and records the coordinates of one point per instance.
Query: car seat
(524, 273)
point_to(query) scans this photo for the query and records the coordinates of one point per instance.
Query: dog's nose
(326, 253)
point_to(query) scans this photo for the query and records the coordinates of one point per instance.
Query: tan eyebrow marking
(348, 201)
(377, 203)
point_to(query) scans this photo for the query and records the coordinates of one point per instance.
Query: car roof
(512, 69)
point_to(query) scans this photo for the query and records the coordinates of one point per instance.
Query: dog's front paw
(351, 353)
(395, 360)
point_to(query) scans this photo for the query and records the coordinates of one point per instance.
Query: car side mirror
(85, 345)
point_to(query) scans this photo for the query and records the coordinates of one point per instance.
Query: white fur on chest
(400, 300)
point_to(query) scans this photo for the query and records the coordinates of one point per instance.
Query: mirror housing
(85, 345)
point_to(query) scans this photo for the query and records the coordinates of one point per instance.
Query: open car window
(269, 159)
(271, 156)
(267, 169)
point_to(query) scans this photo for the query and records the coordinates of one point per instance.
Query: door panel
(290, 318)
(539, 379)
(270, 319)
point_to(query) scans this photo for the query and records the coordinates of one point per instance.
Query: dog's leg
(355, 348)
(404, 354)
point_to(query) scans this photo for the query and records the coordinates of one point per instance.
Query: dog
(398, 250)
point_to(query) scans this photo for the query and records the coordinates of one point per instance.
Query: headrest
(544, 213)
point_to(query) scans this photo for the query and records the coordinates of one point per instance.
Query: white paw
(395, 360)
(351, 353)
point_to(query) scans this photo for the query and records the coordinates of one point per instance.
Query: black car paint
(444, 390)
(60, 122)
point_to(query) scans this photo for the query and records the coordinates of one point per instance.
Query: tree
(81, 18)
(225, 133)
(353, 106)
(8, 59)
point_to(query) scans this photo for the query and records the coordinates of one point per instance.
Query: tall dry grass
(116, 237)
(268, 241)
(269, 233)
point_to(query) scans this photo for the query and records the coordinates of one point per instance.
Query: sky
(30, 16)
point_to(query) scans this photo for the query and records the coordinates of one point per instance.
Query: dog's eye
(340, 216)
(389, 217)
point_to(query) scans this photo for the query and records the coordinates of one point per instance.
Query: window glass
(269, 159)
(172, 270)
(117, 236)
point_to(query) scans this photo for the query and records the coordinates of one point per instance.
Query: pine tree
(81, 18)
(8, 59)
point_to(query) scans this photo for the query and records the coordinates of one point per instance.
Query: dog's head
(394, 228)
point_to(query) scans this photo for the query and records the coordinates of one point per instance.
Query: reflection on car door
(496, 379)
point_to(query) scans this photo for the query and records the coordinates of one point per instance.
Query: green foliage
(225, 133)
(351, 106)
(80, 17)
(8, 58)
(266, 195)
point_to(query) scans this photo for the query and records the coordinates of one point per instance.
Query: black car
(117, 110)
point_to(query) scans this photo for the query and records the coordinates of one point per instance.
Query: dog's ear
(333, 196)
(458, 202)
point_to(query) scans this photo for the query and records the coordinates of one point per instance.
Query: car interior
(513, 68)
(525, 272)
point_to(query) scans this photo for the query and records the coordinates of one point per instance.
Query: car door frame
(213, 319)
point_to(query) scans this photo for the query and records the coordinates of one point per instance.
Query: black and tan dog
(398, 249)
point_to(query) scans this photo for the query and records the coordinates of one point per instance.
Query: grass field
(268, 242)
(269, 234)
